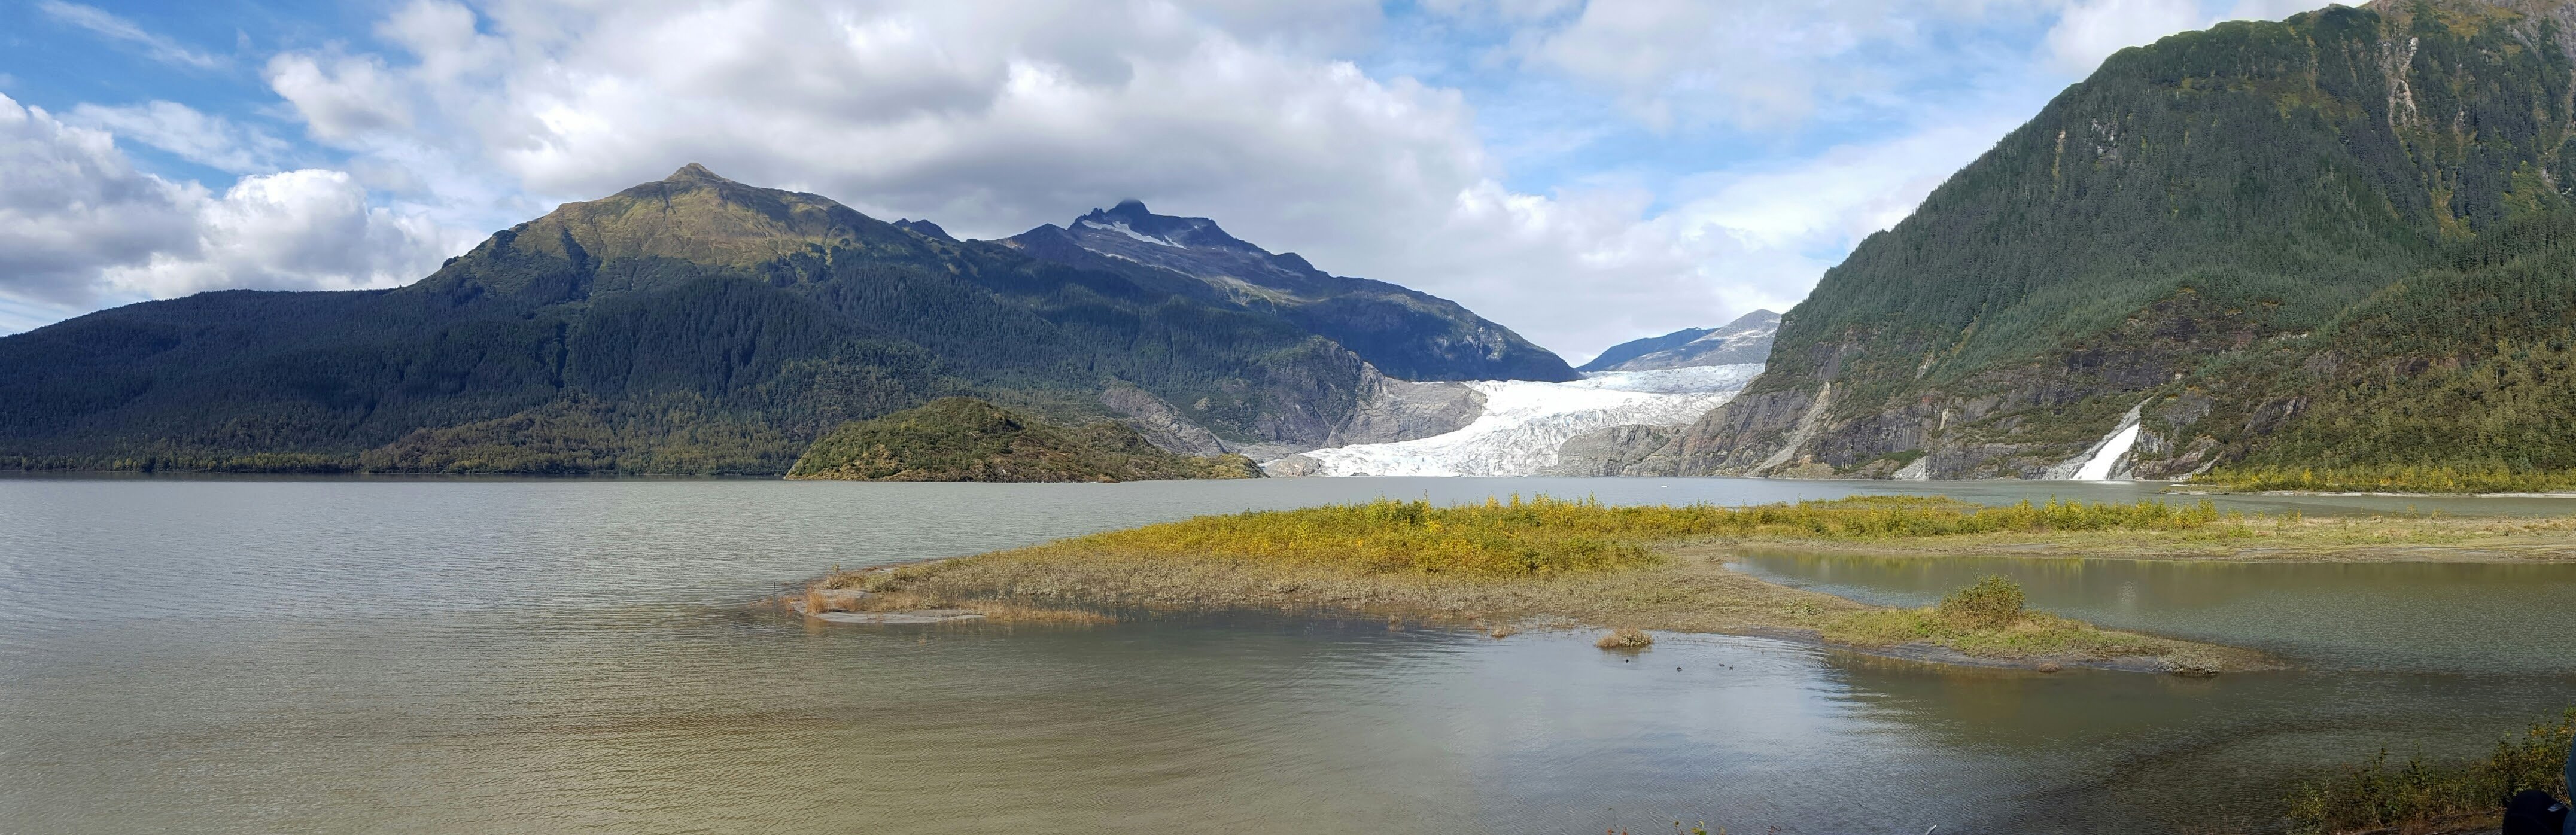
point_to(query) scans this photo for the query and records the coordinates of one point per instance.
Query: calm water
(346, 655)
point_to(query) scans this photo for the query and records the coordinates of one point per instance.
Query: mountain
(692, 324)
(2338, 249)
(964, 439)
(1407, 334)
(1745, 340)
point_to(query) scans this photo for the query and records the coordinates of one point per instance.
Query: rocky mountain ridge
(1407, 334)
(1745, 340)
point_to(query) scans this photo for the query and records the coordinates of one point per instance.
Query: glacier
(1526, 423)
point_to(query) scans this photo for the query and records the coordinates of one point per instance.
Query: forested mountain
(2337, 250)
(964, 439)
(693, 324)
(1408, 334)
(1745, 340)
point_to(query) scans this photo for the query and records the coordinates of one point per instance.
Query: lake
(526, 655)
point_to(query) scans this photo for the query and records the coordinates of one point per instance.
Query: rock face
(1406, 334)
(2326, 241)
(1388, 410)
(964, 439)
(1745, 340)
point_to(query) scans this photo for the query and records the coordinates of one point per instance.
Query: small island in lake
(965, 439)
(1505, 566)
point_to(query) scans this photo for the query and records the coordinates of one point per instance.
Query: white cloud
(2090, 31)
(80, 226)
(346, 99)
(109, 25)
(71, 205)
(211, 141)
(297, 230)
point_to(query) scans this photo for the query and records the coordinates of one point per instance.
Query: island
(1508, 565)
(965, 439)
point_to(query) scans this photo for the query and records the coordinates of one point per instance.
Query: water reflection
(2445, 617)
(521, 656)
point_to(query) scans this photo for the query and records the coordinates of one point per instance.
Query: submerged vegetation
(2419, 796)
(1550, 561)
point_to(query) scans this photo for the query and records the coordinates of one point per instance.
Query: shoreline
(1550, 563)
(1697, 592)
(1914, 653)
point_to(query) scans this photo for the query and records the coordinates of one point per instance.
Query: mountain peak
(694, 172)
(1130, 219)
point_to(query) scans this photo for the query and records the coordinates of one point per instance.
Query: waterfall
(2102, 461)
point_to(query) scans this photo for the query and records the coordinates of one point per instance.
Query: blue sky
(1584, 172)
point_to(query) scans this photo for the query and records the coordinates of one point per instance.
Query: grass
(2417, 796)
(2393, 478)
(1544, 536)
(1548, 561)
(1988, 620)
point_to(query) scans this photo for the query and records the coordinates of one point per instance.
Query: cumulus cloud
(108, 25)
(296, 230)
(341, 98)
(80, 226)
(2090, 30)
(71, 204)
(211, 141)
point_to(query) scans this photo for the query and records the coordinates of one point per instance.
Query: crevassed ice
(1703, 379)
(1525, 424)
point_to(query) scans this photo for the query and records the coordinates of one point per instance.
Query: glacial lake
(540, 655)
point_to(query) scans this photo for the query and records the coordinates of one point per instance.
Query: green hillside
(2340, 241)
(964, 439)
(689, 325)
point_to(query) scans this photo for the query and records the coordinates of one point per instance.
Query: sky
(1582, 172)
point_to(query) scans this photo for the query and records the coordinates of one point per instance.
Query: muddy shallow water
(337, 655)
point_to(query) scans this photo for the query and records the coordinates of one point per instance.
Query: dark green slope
(964, 439)
(688, 325)
(2265, 233)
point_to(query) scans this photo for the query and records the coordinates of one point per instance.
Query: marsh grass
(1499, 564)
(1987, 620)
(2421, 796)
(1545, 536)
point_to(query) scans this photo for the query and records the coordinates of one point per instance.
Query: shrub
(1627, 637)
(2418, 795)
(1992, 603)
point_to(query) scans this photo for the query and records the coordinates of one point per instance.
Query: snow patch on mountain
(1122, 228)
